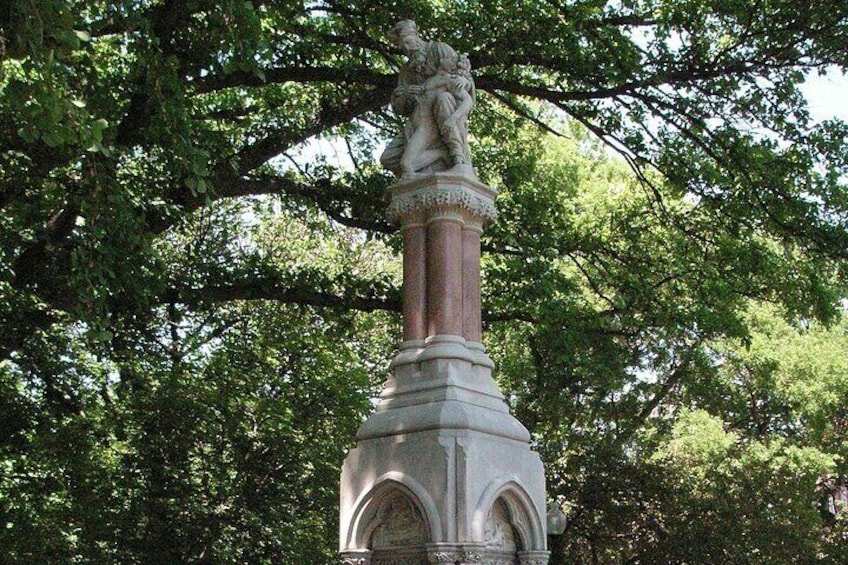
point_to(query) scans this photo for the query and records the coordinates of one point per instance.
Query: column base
(441, 346)
(443, 383)
(456, 553)
(356, 557)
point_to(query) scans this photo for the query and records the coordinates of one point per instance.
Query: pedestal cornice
(442, 193)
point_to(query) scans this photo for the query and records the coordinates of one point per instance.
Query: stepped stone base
(442, 473)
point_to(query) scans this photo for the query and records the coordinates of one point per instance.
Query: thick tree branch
(670, 383)
(524, 113)
(167, 18)
(669, 78)
(335, 75)
(328, 117)
(306, 295)
(331, 199)
(367, 296)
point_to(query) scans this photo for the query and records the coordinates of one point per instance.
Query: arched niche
(508, 521)
(397, 522)
(500, 532)
(394, 520)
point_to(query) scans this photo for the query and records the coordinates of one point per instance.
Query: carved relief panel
(502, 540)
(401, 533)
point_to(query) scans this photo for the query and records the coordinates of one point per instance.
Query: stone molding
(442, 194)
(454, 555)
(356, 557)
(533, 557)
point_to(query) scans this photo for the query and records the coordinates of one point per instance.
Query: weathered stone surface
(435, 95)
(356, 557)
(455, 192)
(442, 445)
(441, 472)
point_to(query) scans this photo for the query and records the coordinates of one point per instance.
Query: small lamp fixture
(556, 519)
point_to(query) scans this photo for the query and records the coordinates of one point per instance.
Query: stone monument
(441, 472)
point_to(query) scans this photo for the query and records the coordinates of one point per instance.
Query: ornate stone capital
(442, 194)
(455, 557)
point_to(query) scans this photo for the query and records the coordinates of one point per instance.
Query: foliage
(678, 419)
(198, 301)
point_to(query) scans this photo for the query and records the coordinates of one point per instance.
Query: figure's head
(442, 58)
(405, 35)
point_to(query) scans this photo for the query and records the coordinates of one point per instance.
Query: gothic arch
(525, 519)
(392, 484)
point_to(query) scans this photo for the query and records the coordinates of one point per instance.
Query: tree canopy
(200, 291)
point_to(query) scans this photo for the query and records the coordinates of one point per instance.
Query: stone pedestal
(442, 473)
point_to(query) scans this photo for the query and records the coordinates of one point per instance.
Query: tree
(608, 395)
(153, 197)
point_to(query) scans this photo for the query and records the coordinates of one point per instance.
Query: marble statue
(435, 93)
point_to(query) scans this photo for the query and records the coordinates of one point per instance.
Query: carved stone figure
(435, 93)
(499, 532)
(400, 524)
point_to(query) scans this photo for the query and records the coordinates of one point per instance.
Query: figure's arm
(459, 88)
(403, 96)
(399, 100)
(437, 81)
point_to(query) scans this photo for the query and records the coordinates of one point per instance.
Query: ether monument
(441, 472)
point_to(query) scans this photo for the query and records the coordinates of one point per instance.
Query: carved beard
(418, 64)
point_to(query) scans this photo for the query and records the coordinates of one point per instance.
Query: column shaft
(472, 328)
(444, 277)
(414, 282)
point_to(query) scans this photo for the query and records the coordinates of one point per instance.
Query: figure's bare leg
(391, 156)
(430, 156)
(416, 155)
(443, 109)
(452, 136)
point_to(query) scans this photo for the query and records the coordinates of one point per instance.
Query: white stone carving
(357, 557)
(499, 533)
(399, 524)
(448, 193)
(442, 199)
(454, 557)
(435, 93)
(442, 450)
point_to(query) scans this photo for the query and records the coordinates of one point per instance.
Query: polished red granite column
(414, 281)
(444, 276)
(472, 329)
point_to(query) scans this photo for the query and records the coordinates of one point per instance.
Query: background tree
(197, 304)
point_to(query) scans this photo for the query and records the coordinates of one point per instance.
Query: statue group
(435, 94)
